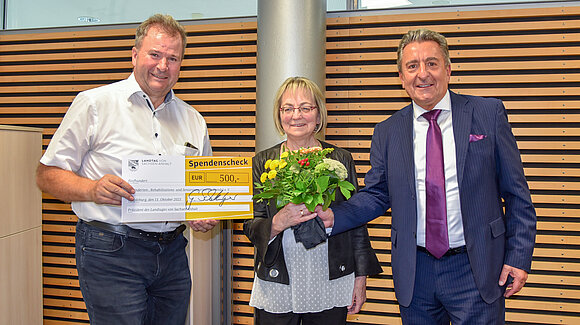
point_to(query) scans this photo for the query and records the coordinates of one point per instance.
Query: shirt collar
(133, 88)
(444, 105)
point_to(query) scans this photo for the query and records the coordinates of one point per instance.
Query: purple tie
(436, 239)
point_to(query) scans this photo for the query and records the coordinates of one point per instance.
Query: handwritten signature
(209, 195)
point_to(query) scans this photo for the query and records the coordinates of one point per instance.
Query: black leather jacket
(348, 252)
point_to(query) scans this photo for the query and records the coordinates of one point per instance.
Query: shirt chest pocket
(185, 150)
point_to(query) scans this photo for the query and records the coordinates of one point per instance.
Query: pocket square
(476, 137)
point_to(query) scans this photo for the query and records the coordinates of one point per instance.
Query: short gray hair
(422, 35)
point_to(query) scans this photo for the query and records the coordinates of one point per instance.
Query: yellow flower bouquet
(303, 176)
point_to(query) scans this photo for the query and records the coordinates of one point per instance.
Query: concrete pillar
(291, 42)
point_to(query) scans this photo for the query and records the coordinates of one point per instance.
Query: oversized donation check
(177, 188)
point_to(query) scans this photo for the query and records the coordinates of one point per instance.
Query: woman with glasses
(300, 276)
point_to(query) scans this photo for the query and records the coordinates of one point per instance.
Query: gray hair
(422, 35)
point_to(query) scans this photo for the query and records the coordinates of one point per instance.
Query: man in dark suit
(446, 176)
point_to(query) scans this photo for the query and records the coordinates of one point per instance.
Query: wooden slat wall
(41, 73)
(530, 58)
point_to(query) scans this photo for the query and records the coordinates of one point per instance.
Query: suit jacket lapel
(406, 140)
(462, 116)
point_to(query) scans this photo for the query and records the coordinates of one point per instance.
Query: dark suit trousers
(445, 291)
(334, 316)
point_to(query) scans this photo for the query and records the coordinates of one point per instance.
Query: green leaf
(345, 192)
(300, 185)
(346, 184)
(280, 202)
(264, 195)
(296, 193)
(326, 204)
(318, 199)
(346, 188)
(322, 183)
(297, 200)
(311, 206)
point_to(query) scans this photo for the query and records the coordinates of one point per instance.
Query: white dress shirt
(420, 126)
(105, 124)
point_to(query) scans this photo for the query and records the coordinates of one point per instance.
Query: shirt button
(274, 273)
(156, 135)
(342, 268)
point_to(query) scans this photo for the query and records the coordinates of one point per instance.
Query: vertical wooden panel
(21, 231)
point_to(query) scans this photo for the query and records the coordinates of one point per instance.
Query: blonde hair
(167, 24)
(422, 35)
(292, 84)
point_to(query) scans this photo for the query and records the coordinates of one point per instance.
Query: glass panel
(382, 4)
(58, 13)
(2, 26)
(22, 14)
(336, 5)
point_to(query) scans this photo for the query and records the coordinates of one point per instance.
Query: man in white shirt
(136, 273)
(446, 165)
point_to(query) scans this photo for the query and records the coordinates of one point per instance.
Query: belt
(450, 252)
(136, 233)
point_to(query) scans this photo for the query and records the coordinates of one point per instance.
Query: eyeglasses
(304, 109)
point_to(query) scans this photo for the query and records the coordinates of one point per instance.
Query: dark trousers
(334, 316)
(445, 291)
(132, 281)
